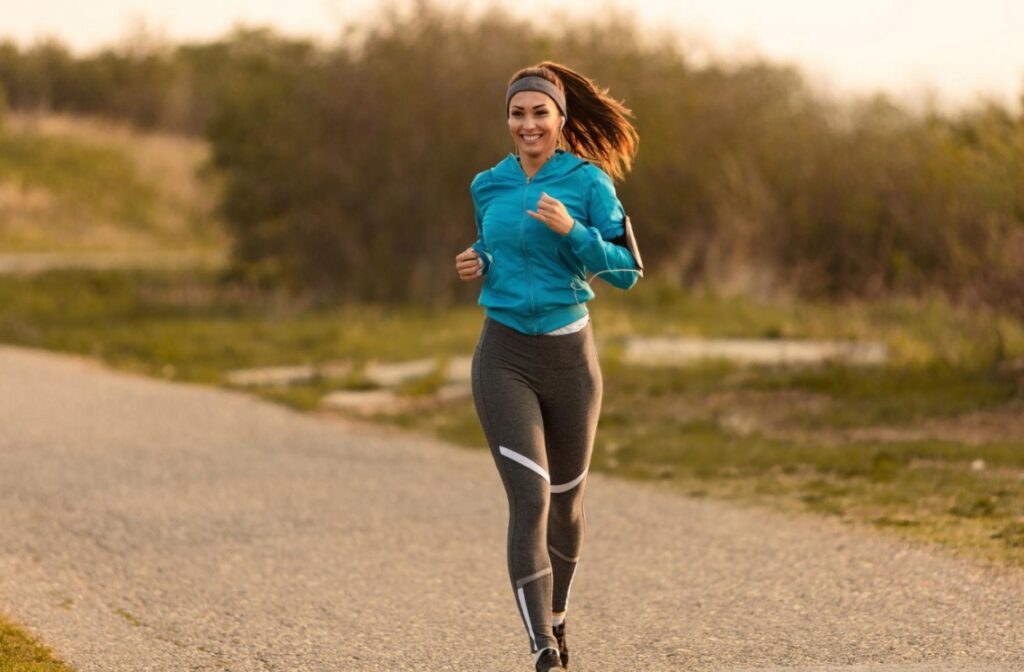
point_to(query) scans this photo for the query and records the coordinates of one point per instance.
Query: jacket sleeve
(480, 245)
(592, 244)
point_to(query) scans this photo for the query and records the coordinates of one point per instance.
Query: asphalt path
(155, 526)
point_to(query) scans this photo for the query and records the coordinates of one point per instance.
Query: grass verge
(21, 653)
(770, 435)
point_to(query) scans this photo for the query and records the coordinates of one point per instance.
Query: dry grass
(160, 179)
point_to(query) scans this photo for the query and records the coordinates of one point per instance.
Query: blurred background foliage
(346, 167)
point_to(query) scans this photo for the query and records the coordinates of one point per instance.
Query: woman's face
(535, 123)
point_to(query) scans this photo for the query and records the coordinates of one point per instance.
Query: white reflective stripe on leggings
(563, 556)
(526, 616)
(565, 487)
(568, 589)
(525, 461)
(533, 577)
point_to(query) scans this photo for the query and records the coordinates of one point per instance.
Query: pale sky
(954, 49)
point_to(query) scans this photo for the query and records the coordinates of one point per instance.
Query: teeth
(530, 138)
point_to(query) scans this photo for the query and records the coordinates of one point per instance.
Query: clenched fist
(469, 265)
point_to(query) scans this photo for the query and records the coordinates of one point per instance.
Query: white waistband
(570, 328)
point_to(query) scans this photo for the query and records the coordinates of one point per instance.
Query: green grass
(20, 652)
(891, 395)
(131, 618)
(77, 189)
(676, 425)
(75, 181)
(656, 424)
(185, 324)
(917, 331)
(922, 490)
(182, 325)
(82, 173)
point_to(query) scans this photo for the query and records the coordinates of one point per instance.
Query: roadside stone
(390, 375)
(287, 375)
(454, 391)
(459, 369)
(274, 375)
(379, 374)
(364, 402)
(658, 351)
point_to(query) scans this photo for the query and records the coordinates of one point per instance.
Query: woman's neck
(531, 165)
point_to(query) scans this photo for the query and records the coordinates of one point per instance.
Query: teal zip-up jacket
(535, 280)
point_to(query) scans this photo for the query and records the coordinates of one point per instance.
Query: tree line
(347, 166)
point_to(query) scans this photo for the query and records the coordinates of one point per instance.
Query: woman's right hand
(469, 265)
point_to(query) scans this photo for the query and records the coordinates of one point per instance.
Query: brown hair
(596, 128)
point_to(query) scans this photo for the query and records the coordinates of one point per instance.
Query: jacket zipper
(526, 256)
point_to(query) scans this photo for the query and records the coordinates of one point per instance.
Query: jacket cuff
(578, 236)
(486, 257)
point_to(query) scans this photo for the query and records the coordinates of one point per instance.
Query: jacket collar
(560, 164)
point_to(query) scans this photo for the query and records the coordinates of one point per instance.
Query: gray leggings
(538, 399)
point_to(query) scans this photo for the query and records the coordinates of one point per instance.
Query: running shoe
(563, 649)
(549, 660)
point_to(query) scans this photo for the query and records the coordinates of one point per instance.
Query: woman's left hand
(552, 212)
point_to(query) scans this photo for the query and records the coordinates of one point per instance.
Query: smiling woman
(546, 217)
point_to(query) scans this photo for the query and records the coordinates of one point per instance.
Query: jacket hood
(559, 165)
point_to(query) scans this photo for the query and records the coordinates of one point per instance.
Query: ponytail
(596, 128)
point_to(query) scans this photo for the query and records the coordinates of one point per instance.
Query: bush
(348, 166)
(339, 181)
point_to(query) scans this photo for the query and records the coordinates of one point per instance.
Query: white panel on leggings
(525, 461)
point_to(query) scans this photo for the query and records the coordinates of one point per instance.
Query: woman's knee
(566, 508)
(532, 503)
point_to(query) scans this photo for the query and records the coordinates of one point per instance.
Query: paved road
(148, 526)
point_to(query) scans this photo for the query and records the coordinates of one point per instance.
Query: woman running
(545, 218)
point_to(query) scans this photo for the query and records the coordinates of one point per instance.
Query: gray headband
(536, 84)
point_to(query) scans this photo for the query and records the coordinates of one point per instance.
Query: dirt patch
(1005, 423)
(746, 412)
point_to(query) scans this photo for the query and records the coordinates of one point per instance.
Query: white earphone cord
(574, 288)
(572, 283)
